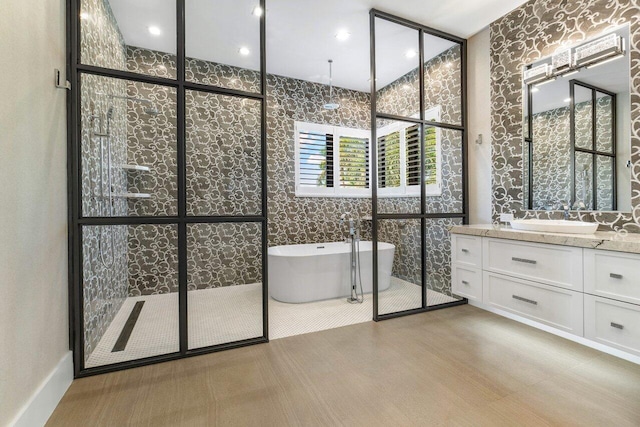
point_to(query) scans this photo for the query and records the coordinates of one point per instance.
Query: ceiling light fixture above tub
(411, 53)
(244, 51)
(154, 31)
(331, 105)
(343, 35)
(257, 11)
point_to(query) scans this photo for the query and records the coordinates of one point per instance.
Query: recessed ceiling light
(84, 15)
(410, 54)
(244, 51)
(534, 90)
(155, 31)
(568, 100)
(343, 35)
(257, 11)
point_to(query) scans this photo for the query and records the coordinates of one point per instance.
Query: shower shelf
(133, 195)
(136, 168)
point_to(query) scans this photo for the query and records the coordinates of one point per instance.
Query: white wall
(479, 90)
(33, 221)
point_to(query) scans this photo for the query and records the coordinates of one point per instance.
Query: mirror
(576, 147)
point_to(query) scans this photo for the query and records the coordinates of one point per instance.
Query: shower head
(331, 105)
(152, 110)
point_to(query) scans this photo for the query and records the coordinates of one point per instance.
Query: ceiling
(301, 33)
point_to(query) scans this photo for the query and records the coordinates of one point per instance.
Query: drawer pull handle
(526, 261)
(617, 325)
(530, 301)
(466, 251)
(464, 282)
(615, 276)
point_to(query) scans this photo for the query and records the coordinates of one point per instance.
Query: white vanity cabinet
(588, 293)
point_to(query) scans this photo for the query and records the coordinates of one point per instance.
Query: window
(331, 161)
(399, 144)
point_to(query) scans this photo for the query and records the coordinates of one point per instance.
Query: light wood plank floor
(459, 366)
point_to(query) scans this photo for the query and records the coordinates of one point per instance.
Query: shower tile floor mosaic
(234, 313)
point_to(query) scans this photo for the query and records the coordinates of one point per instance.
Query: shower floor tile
(234, 313)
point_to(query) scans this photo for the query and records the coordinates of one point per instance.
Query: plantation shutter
(316, 159)
(354, 162)
(389, 160)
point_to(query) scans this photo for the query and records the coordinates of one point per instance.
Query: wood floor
(459, 366)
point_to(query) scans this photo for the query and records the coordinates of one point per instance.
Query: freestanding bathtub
(319, 271)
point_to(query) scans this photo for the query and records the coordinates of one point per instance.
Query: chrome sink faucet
(564, 205)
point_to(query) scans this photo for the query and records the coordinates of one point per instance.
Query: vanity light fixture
(602, 49)
(537, 74)
(561, 62)
(410, 54)
(244, 51)
(257, 11)
(154, 31)
(343, 35)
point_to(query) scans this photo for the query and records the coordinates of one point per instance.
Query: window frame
(337, 190)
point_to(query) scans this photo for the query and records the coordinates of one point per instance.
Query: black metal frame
(423, 216)
(75, 69)
(593, 151)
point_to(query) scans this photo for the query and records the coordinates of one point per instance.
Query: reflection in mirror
(577, 134)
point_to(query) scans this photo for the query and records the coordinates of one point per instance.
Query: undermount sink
(554, 226)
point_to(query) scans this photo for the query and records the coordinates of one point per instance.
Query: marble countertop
(605, 240)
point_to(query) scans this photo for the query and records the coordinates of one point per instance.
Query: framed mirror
(576, 126)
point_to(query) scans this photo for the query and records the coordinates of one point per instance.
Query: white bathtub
(319, 271)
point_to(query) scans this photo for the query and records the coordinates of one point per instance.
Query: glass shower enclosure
(167, 149)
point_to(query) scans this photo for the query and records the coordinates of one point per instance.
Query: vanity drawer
(612, 275)
(466, 250)
(550, 264)
(556, 307)
(613, 323)
(467, 282)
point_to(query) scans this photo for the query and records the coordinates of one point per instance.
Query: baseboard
(40, 406)
(580, 340)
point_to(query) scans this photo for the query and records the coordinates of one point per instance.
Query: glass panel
(130, 291)
(129, 151)
(584, 180)
(224, 281)
(525, 113)
(223, 155)
(130, 36)
(525, 174)
(605, 124)
(583, 117)
(398, 166)
(605, 180)
(399, 266)
(397, 69)
(443, 170)
(223, 43)
(551, 158)
(443, 79)
(438, 260)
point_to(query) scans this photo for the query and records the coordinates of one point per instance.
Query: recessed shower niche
(184, 144)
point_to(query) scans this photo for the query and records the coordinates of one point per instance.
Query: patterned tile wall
(533, 31)
(104, 267)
